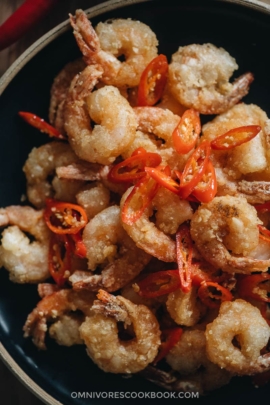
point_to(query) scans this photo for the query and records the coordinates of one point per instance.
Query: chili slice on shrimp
(171, 337)
(194, 169)
(163, 178)
(186, 133)
(212, 294)
(64, 218)
(235, 137)
(139, 199)
(152, 82)
(133, 168)
(184, 257)
(256, 286)
(59, 258)
(159, 283)
(40, 124)
(206, 189)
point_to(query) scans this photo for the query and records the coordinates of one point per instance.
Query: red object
(163, 178)
(40, 124)
(133, 168)
(251, 287)
(194, 169)
(59, 258)
(64, 218)
(235, 137)
(79, 248)
(263, 207)
(187, 131)
(139, 199)
(184, 257)
(172, 337)
(23, 19)
(264, 233)
(203, 271)
(210, 298)
(206, 189)
(152, 82)
(159, 283)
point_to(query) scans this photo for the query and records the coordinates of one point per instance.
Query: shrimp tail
(85, 36)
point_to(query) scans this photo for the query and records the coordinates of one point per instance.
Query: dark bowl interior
(245, 34)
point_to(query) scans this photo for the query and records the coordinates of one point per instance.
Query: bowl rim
(7, 77)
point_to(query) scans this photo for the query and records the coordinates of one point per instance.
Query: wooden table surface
(12, 392)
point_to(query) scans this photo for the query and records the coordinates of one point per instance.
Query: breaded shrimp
(26, 261)
(133, 39)
(225, 231)
(100, 334)
(199, 78)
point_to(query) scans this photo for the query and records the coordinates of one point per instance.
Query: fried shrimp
(225, 232)
(41, 165)
(188, 357)
(111, 249)
(106, 349)
(243, 322)
(112, 39)
(199, 78)
(59, 91)
(185, 308)
(157, 125)
(26, 261)
(148, 236)
(52, 308)
(115, 120)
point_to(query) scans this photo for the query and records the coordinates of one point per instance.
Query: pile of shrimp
(101, 304)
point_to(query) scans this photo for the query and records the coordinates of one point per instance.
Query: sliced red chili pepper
(206, 189)
(159, 283)
(59, 258)
(27, 15)
(212, 294)
(79, 246)
(152, 82)
(40, 124)
(194, 169)
(139, 199)
(203, 271)
(264, 233)
(235, 137)
(133, 168)
(186, 133)
(263, 207)
(256, 286)
(64, 218)
(184, 248)
(172, 337)
(163, 178)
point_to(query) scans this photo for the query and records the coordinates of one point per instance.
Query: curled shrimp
(113, 250)
(199, 78)
(59, 91)
(133, 39)
(115, 120)
(148, 236)
(225, 231)
(237, 171)
(188, 357)
(40, 165)
(26, 261)
(154, 133)
(52, 308)
(100, 334)
(241, 321)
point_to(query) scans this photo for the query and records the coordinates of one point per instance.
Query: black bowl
(64, 374)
